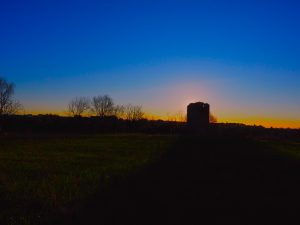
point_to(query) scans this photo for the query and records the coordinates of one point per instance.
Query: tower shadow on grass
(203, 181)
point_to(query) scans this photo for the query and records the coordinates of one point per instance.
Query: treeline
(101, 105)
(86, 125)
(100, 114)
(104, 106)
(54, 124)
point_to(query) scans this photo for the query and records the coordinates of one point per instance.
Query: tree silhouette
(102, 105)
(212, 118)
(133, 113)
(119, 111)
(176, 117)
(78, 106)
(8, 105)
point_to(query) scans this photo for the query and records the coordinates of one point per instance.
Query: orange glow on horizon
(266, 122)
(258, 121)
(179, 114)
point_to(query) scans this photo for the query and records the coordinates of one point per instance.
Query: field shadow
(203, 181)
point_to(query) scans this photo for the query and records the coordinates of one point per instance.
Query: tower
(198, 116)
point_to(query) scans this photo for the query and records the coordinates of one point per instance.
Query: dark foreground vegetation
(206, 181)
(98, 170)
(42, 177)
(54, 124)
(149, 179)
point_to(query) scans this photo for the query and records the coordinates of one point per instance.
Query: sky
(242, 57)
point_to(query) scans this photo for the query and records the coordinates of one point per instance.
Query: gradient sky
(242, 57)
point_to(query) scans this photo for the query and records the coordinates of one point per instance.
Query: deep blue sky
(241, 56)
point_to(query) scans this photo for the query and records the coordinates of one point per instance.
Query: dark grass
(206, 181)
(45, 176)
(142, 179)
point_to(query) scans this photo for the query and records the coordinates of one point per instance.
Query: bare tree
(102, 105)
(176, 117)
(212, 118)
(179, 117)
(119, 111)
(78, 106)
(134, 113)
(8, 105)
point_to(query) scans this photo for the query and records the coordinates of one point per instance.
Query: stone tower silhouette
(198, 116)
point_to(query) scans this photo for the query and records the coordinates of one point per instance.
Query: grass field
(42, 175)
(291, 148)
(45, 177)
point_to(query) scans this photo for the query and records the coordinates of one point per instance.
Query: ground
(144, 179)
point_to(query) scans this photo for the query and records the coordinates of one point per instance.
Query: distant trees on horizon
(78, 106)
(104, 106)
(100, 105)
